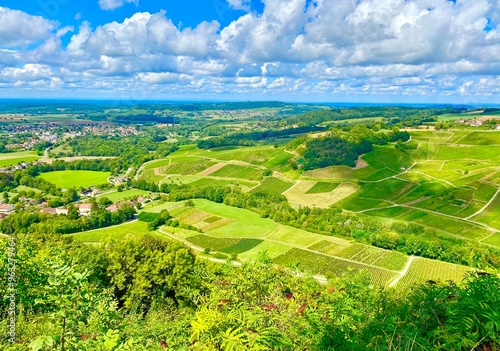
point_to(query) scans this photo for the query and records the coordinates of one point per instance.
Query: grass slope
(75, 179)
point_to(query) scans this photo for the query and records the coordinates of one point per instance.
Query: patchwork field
(75, 179)
(300, 194)
(231, 230)
(445, 181)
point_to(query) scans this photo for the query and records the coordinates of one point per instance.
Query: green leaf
(41, 341)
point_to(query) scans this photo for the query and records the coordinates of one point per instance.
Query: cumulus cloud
(114, 4)
(325, 47)
(18, 28)
(144, 34)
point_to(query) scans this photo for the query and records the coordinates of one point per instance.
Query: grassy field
(298, 195)
(322, 187)
(27, 188)
(136, 228)
(75, 179)
(126, 194)
(14, 158)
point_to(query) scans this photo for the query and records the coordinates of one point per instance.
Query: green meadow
(75, 179)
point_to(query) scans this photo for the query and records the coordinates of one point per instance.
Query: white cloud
(240, 4)
(18, 28)
(28, 72)
(321, 48)
(114, 4)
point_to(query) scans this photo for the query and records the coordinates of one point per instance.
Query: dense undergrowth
(151, 294)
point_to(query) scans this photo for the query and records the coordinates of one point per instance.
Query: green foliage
(147, 268)
(171, 301)
(131, 150)
(330, 151)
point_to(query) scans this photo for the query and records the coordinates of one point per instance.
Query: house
(142, 200)
(6, 208)
(63, 211)
(49, 210)
(112, 208)
(84, 209)
(118, 180)
(86, 193)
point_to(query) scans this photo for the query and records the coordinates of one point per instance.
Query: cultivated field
(231, 230)
(116, 232)
(444, 181)
(75, 179)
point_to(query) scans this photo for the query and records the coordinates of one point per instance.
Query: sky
(380, 51)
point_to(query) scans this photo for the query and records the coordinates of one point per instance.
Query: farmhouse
(118, 180)
(63, 211)
(84, 209)
(112, 208)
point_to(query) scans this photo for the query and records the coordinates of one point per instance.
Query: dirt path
(485, 206)
(212, 169)
(403, 272)
(394, 176)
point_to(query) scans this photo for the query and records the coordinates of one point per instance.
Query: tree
(73, 212)
(144, 269)
(104, 201)
(70, 195)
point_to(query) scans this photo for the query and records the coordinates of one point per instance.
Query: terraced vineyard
(430, 184)
(231, 230)
(423, 270)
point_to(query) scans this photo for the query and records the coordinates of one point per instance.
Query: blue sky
(294, 50)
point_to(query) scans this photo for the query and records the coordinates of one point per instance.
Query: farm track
(402, 273)
(485, 206)
(386, 178)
